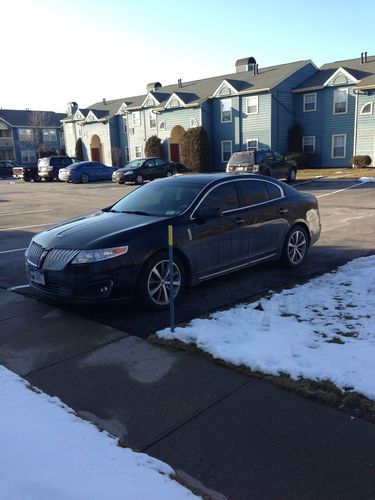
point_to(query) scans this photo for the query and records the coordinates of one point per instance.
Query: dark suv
(264, 162)
(48, 168)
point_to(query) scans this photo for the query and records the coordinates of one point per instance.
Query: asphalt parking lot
(347, 213)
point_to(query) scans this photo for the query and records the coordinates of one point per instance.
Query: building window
(226, 110)
(175, 103)
(226, 150)
(193, 122)
(309, 102)
(252, 144)
(127, 155)
(366, 109)
(338, 146)
(162, 125)
(26, 134)
(28, 156)
(252, 105)
(49, 135)
(340, 101)
(136, 118)
(308, 144)
(152, 119)
(138, 151)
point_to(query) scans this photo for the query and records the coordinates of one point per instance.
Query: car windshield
(133, 164)
(163, 198)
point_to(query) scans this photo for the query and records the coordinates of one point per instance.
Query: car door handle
(239, 221)
(282, 211)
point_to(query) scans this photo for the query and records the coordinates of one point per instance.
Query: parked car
(86, 171)
(6, 168)
(143, 169)
(221, 223)
(48, 168)
(27, 173)
(265, 162)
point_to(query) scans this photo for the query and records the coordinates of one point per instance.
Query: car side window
(278, 157)
(253, 192)
(159, 162)
(53, 162)
(67, 161)
(223, 197)
(273, 191)
(150, 163)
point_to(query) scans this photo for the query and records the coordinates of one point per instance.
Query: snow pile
(49, 453)
(324, 329)
(367, 179)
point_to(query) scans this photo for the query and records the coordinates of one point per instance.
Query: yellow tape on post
(170, 236)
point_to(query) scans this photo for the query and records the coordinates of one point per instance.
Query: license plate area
(37, 277)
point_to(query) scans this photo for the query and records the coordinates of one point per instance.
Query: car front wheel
(139, 179)
(292, 176)
(154, 282)
(295, 247)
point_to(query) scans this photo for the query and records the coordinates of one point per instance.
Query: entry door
(95, 154)
(175, 152)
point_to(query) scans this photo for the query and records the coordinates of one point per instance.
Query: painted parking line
(14, 250)
(341, 190)
(26, 227)
(28, 212)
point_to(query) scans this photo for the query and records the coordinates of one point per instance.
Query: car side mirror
(204, 213)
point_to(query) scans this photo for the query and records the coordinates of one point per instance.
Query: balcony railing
(6, 141)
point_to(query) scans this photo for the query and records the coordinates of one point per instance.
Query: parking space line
(11, 251)
(28, 212)
(340, 190)
(26, 227)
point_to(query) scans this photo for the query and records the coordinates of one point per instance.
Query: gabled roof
(364, 73)
(194, 93)
(24, 118)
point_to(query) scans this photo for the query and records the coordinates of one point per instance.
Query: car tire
(84, 178)
(139, 179)
(152, 291)
(292, 176)
(295, 247)
(27, 179)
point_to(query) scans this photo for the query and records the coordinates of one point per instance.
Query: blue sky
(84, 50)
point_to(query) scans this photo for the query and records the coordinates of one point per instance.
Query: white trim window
(136, 118)
(28, 156)
(226, 110)
(340, 101)
(308, 144)
(309, 102)
(226, 151)
(26, 134)
(193, 122)
(252, 105)
(151, 119)
(125, 124)
(252, 144)
(138, 151)
(367, 108)
(162, 125)
(338, 146)
(49, 135)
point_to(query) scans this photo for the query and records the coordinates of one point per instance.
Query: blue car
(86, 171)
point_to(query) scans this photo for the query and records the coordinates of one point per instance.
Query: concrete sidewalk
(224, 432)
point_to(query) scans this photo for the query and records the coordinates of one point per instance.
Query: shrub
(361, 161)
(153, 147)
(79, 149)
(299, 158)
(194, 148)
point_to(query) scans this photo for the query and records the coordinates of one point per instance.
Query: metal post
(171, 287)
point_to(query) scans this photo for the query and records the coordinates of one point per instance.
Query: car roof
(208, 178)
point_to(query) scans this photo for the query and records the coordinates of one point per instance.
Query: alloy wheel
(159, 283)
(297, 246)
(139, 179)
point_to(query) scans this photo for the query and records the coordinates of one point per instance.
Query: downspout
(240, 132)
(355, 124)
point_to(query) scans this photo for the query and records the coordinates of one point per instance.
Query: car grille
(50, 260)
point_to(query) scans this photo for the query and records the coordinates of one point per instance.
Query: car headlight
(256, 168)
(87, 256)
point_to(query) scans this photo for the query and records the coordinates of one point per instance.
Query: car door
(162, 167)
(150, 169)
(218, 243)
(265, 215)
(278, 166)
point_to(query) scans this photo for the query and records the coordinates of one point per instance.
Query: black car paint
(151, 172)
(206, 247)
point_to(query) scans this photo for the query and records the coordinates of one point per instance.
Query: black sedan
(221, 223)
(143, 169)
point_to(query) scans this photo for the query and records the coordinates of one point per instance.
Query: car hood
(96, 230)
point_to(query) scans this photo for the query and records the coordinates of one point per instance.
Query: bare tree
(116, 157)
(38, 120)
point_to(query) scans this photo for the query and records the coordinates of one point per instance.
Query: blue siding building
(26, 135)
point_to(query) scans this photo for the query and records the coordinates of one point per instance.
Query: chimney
(104, 100)
(366, 57)
(361, 57)
(179, 83)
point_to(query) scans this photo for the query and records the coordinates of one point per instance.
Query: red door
(95, 154)
(175, 152)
